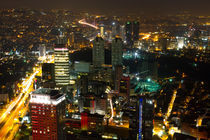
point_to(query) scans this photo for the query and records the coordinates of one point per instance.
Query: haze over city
(148, 7)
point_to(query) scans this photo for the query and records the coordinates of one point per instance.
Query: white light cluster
(45, 99)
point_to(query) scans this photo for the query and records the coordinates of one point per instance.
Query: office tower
(135, 31)
(128, 33)
(61, 53)
(114, 29)
(98, 52)
(42, 50)
(117, 51)
(101, 26)
(47, 111)
(48, 73)
(83, 84)
(118, 72)
(141, 120)
(145, 118)
(163, 44)
(180, 42)
(122, 32)
(124, 88)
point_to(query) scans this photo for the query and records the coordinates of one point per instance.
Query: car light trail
(111, 105)
(82, 21)
(18, 107)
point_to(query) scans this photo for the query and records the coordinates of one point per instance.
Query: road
(82, 21)
(16, 109)
(9, 124)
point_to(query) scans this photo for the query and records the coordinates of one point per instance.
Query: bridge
(82, 21)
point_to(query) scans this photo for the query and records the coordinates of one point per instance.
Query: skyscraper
(48, 73)
(145, 118)
(122, 32)
(114, 29)
(135, 30)
(141, 120)
(124, 87)
(42, 50)
(47, 111)
(132, 32)
(61, 62)
(98, 52)
(128, 33)
(117, 51)
(101, 30)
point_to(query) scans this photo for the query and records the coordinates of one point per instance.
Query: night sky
(118, 6)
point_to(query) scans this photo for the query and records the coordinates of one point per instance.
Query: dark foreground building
(141, 120)
(47, 112)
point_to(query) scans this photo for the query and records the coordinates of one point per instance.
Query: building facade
(98, 52)
(128, 33)
(117, 52)
(132, 32)
(61, 53)
(135, 30)
(47, 112)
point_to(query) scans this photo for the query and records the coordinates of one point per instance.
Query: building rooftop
(48, 96)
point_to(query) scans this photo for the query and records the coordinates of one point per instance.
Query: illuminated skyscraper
(61, 62)
(101, 30)
(47, 111)
(98, 52)
(117, 51)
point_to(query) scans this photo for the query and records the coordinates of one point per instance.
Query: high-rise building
(118, 72)
(117, 51)
(132, 32)
(48, 73)
(135, 30)
(128, 33)
(42, 50)
(141, 120)
(98, 52)
(47, 111)
(101, 30)
(163, 44)
(122, 32)
(145, 118)
(114, 29)
(61, 53)
(124, 88)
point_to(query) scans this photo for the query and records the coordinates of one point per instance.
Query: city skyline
(74, 74)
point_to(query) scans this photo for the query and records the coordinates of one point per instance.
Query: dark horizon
(124, 7)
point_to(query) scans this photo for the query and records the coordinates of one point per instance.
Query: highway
(16, 109)
(9, 120)
(82, 21)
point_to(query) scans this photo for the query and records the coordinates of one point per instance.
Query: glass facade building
(61, 53)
